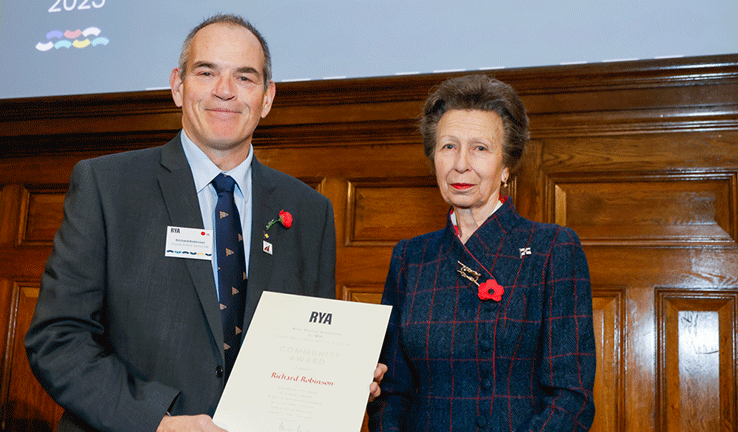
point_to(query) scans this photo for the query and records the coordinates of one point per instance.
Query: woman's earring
(504, 183)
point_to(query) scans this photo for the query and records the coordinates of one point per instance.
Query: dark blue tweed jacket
(458, 363)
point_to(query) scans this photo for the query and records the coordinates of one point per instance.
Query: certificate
(305, 365)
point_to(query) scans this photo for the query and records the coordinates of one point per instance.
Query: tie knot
(224, 183)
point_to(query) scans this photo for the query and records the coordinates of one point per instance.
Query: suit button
(219, 371)
(481, 421)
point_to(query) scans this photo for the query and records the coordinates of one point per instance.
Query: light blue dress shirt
(204, 171)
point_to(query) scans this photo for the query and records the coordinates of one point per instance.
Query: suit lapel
(180, 197)
(263, 211)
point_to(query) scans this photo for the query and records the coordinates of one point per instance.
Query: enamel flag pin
(266, 247)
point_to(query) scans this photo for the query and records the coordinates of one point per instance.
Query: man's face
(222, 96)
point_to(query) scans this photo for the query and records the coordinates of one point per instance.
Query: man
(126, 338)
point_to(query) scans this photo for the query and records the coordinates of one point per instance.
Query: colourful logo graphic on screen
(56, 39)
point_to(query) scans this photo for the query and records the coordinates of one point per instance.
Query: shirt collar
(452, 216)
(204, 170)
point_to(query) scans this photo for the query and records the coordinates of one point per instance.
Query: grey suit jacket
(122, 334)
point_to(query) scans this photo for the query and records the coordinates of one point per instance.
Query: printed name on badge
(192, 243)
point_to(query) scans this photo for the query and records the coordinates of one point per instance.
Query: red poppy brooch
(488, 290)
(285, 218)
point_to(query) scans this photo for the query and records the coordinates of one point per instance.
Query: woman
(491, 327)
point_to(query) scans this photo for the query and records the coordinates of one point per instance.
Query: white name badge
(193, 243)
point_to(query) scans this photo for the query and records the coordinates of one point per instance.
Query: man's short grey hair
(233, 20)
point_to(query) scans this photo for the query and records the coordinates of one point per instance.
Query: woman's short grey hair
(478, 93)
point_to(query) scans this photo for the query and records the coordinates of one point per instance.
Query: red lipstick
(461, 186)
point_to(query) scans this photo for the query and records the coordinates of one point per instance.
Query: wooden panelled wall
(640, 158)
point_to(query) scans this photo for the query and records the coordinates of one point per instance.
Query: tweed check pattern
(460, 364)
(231, 268)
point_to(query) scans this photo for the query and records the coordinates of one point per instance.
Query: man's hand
(374, 390)
(198, 423)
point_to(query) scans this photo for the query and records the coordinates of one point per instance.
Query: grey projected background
(55, 47)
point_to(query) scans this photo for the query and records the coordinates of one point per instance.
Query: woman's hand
(374, 390)
(202, 423)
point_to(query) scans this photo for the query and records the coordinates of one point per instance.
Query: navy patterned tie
(231, 268)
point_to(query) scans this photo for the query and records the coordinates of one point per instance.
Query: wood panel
(697, 360)
(364, 293)
(639, 158)
(608, 305)
(42, 216)
(26, 406)
(378, 214)
(664, 209)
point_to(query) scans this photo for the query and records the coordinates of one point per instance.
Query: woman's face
(468, 159)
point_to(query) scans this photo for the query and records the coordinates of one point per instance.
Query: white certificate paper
(305, 365)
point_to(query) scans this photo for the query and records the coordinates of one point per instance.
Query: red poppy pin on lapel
(489, 290)
(285, 218)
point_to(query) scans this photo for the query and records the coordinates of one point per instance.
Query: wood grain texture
(665, 209)
(697, 367)
(608, 304)
(26, 406)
